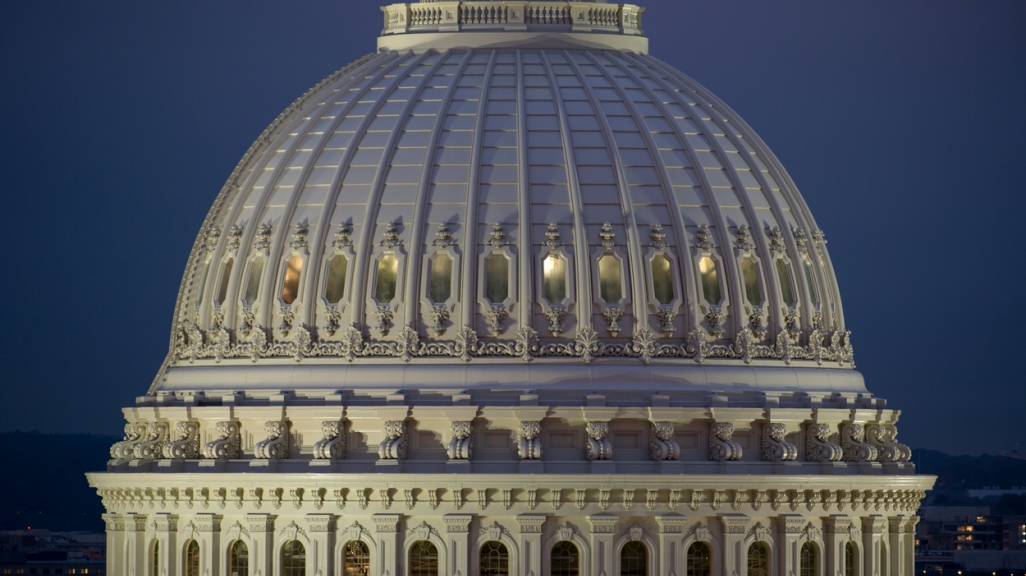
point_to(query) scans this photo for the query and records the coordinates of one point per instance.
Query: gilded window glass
(192, 559)
(554, 279)
(494, 559)
(336, 287)
(758, 559)
(566, 560)
(849, 559)
(610, 283)
(710, 280)
(699, 560)
(662, 279)
(786, 288)
(807, 565)
(751, 278)
(238, 559)
(226, 276)
(634, 559)
(357, 559)
(290, 288)
(496, 278)
(388, 274)
(811, 282)
(440, 278)
(256, 270)
(423, 559)
(293, 559)
(155, 567)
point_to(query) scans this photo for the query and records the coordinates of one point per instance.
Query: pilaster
(165, 527)
(457, 533)
(386, 529)
(786, 548)
(735, 528)
(115, 541)
(261, 554)
(530, 542)
(671, 558)
(321, 528)
(135, 543)
(874, 528)
(602, 527)
(835, 534)
(908, 540)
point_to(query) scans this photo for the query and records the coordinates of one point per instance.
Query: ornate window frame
(503, 537)
(304, 273)
(568, 261)
(753, 310)
(483, 302)
(400, 277)
(625, 303)
(658, 309)
(796, 303)
(650, 545)
(322, 284)
(220, 280)
(449, 305)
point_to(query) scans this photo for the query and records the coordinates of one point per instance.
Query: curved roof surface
(497, 204)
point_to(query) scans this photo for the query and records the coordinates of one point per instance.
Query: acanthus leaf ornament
(661, 445)
(607, 236)
(185, 443)
(882, 437)
(854, 446)
(135, 432)
(497, 237)
(598, 447)
(818, 447)
(152, 446)
(528, 442)
(333, 444)
(774, 447)
(390, 237)
(384, 316)
(263, 237)
(439, 315)
(721, 447)
(586, 344)
(299, 233)
(342, 239)
(393, 447)
(776, 239)
(612, 316)
(461, 445)
(657, 237)
(743, 240)
(234, 237)
(666, 316)
(703, 239)
(228, 445)
(495, 315)
(552, 240)
(555, 316)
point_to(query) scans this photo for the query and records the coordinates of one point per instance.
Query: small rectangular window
(256, 270)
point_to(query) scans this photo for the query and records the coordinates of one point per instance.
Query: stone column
(874, 527)
(115, 543)
(457, 529)
(530, 543)
(671, 558)
(895, 558)
(908, 549)
(322, 538)
(386, 528)
(735, 528)
(602, 526)
(261, 532)
(167, 533)
(135, 544)
(786, 551)
(835, 534)
(208, 534)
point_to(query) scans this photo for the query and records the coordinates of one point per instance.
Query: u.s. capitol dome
(509, 296)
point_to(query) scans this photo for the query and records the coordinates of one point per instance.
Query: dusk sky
(903, 124)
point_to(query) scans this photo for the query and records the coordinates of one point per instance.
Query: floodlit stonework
(509, 296)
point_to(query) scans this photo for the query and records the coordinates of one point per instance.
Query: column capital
(206, 522)
(385, 523)
(320, 522)
(837, 524)
(671, 524)
(790, 523)
(165, 522)
(457, 522)
(603, 523)
(874, 524)
(530, 523)
(260, 523)
(135, 522)
(735, 523)
(114, 522)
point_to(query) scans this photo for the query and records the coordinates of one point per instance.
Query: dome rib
(418, 228)
(524, 236)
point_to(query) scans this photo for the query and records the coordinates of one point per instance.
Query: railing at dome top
(513, 16)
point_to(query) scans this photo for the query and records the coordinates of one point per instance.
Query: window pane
(423, 559)
(699, 560)
(610, 286)
(808, 560)
(751, 278)
(811, 280)
(203, 282)
(497, 278)
(554, 279)
(290, 289)
(336, 288)
(786, 288)
(293, 559)
(710, 280)
(440, 278)
(634, 559)
(256, 270)
(226, 275)
(357, 559)
(849, 559)
(388, 271)
(662, 279)
(238, 559)
(155, 568)
(494, 559)
(758, 559)
(192, 559)
(566, 560)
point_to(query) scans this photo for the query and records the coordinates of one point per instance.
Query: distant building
(969, 538)
(39, 552)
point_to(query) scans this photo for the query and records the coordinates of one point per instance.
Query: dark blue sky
(903, 123)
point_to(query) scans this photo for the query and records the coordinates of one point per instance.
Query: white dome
(680, 238)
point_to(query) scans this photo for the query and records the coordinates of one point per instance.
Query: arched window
(238, 559)
(494, 559)
(293, 559)
(356, 559)
(192, 559)
(699, 560)
(566, 560)
(155, 567)
(807, 564)
(634, 559)
(849, 559)
(290, 288)
(226, 276)
(423, 559)
(758, 559)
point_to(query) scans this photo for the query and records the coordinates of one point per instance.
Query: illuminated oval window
(440, 278)
(554, 279)
(751, 278)
(290, 288)
(662, 279)
(336, 288)
(496, 278)
(388, 272)
(811, 281)
(226, 275)
(710, 280)
(786, 288)
(256, 270)
(610, 285)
